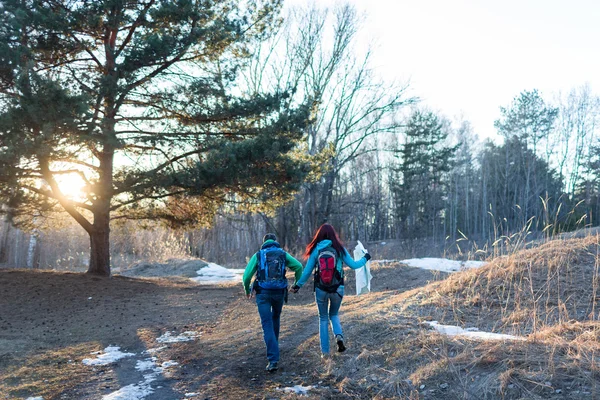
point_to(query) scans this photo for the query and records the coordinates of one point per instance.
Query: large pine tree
(139, 99)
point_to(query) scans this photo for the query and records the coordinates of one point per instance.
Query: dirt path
(50, 322)
(230, 363)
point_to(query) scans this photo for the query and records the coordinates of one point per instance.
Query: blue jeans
(329, 305)
(269, 305)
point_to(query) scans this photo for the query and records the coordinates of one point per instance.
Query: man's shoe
(272, 366)
(340, 343)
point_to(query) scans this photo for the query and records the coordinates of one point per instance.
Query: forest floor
(51, 323)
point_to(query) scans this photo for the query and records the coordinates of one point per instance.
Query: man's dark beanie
(269, 236)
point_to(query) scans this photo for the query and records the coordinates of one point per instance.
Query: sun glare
(71, 185)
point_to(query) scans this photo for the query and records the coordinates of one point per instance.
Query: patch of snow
(142, 389)
(191, 394)
(442, 264)
(155, 350)
(298, 389)
(473, 264)
(214, 273)
(148, 365)
(473, 333)
(169, 363)
(110, 355)
(184, 337)
(35, 398)
(239, 271)
(131, 392)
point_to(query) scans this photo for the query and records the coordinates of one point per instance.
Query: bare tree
(577, 121)
(315, 56)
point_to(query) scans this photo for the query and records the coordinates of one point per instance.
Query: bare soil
(57, 319)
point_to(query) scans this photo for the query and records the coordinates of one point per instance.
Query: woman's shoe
(340, 343)
(272, 366)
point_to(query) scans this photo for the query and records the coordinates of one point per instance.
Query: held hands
(294, 289)
(367, 256)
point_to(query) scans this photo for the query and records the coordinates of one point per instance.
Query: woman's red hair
(325, 231)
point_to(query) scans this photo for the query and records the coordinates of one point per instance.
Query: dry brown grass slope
(522, 293)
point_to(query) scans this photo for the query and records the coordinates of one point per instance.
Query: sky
(469, 57)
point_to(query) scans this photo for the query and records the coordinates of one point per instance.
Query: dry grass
(48, 373)
(524, 292)
(438, 367)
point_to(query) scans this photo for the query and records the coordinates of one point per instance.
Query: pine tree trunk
(99, 253)
(4, 236)
(100, 244)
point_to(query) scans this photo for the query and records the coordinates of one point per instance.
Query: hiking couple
(325, 255)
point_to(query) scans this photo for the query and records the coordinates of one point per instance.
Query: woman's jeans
(329, 305)
(270, 304)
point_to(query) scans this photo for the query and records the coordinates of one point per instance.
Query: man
(270, 287)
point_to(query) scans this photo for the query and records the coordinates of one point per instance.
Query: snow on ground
(148, 364)
(139, 390)
(214, 273)
(35, 398)
(155, 350)
(148, 367)
(169, 363)
(298, 389)
(437, 264)
(110, 355)
(131, 392)
(184, 337)
(473, 333)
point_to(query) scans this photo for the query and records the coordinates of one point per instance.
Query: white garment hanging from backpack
(363, 274)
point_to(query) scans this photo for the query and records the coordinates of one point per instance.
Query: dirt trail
(231, 359)
(50, 322)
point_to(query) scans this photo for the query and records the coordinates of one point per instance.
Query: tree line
(229, 122)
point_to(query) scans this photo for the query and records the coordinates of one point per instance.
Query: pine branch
(147, 197)
(133, 27)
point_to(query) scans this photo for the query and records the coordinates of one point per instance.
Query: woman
(323, 252)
